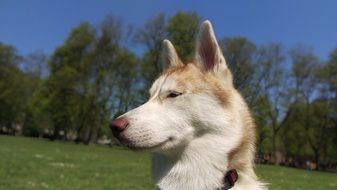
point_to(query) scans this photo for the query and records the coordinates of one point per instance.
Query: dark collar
(229, 179)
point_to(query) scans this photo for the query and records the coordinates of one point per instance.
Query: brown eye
(173, 94)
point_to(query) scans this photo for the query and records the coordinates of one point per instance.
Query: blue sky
(32, 25)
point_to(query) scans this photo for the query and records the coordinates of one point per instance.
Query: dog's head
(186, 102)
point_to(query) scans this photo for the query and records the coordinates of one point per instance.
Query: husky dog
(195, 123)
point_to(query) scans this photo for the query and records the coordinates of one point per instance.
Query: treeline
(100, 72)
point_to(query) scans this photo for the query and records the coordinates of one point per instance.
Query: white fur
(191, 136)
(169, 55)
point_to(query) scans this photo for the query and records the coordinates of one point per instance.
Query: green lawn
(40, 164)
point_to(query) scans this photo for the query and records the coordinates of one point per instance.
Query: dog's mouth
(137, 147)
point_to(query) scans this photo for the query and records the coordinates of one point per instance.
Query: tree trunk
(56, 134)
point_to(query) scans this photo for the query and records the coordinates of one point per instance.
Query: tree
(13, 92)
(327, 92)
(151, 36)
(309, 122)
(270, 85)
(61, 92)
(259, 76)
(36, 64)
(303, 71)
(113, 76)
(92, 77)
(240, 56)
(182, 29)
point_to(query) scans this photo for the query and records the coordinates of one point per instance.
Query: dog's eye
(174, 94)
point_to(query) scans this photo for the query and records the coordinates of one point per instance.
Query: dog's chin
(153, 147)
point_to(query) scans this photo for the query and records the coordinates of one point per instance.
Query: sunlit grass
(40, 164)
(27, 163)
(283, 178)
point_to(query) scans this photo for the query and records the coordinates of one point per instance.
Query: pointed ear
(169, 55)
(208, 53)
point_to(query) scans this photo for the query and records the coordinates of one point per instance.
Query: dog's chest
(181, 175)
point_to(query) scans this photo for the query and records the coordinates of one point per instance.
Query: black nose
(119, 125)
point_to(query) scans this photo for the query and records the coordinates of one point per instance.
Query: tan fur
(242, 157)
(200, 81)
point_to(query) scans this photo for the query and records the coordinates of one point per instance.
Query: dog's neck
(201, 165)
(194, 167)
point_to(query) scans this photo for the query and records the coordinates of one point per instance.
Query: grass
(27, 163)
(283, 178)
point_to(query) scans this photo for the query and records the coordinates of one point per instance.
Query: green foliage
(182, 29)
(13, 89)
(240, 53)
(151, 36)
(8, 56)
(91, 77)
(12, 97)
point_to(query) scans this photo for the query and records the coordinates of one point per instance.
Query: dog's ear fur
(169, 55)
(208, 53)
